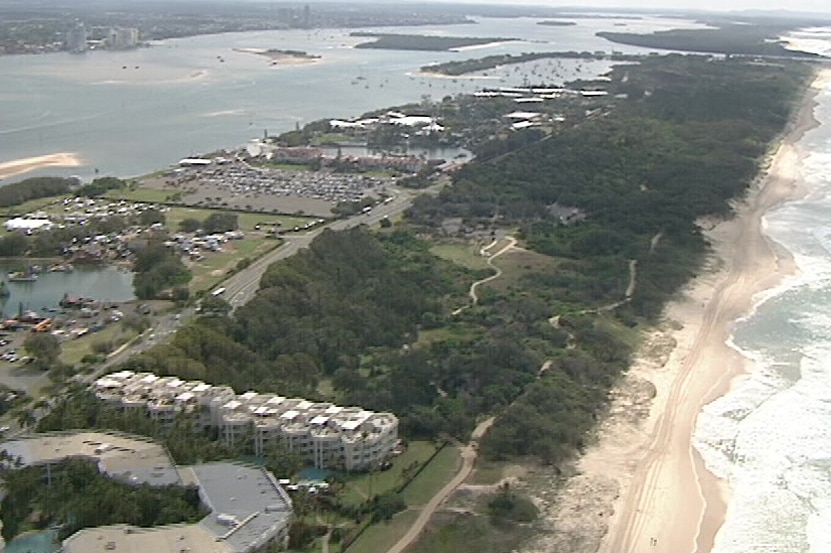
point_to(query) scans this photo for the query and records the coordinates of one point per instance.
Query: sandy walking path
(469, 453)
(22, 166)
(672, 503)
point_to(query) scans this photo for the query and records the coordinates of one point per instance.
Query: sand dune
(22, 166)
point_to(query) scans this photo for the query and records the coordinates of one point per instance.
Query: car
(4, 429)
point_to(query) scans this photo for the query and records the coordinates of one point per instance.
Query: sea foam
(770, 436)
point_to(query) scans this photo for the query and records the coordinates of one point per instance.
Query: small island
(556, 23)
(421, 42)
(281, 57)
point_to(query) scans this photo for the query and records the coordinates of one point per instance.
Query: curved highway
(241, 287)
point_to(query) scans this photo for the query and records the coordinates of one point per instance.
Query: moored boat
(22, 276)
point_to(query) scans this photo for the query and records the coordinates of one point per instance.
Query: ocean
(770, 436)
(130, 113)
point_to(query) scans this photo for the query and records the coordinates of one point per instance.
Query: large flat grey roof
(129, 458)
(247, 504)
(248, 507)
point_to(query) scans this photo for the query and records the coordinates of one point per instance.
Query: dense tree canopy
(36, 187)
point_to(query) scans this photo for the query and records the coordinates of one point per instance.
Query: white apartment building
(326, 435)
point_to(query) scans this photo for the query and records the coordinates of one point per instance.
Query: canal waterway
(111, 284)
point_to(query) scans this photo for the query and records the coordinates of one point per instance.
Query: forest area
(370, 317)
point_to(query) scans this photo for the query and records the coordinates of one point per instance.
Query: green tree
(44, 347)
(220, 222)
(190, 225)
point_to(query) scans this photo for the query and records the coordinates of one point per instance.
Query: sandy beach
(643, 486)
(22, 166)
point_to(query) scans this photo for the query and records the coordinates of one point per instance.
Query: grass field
(517, 263)
(148, 195)
(72, 351)
(441, 470)
(361, 487)
(464, 254)
(247, 221)
(380, 537)
(32, 205)
(215, 267)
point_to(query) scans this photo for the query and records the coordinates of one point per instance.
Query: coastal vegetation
(556, 23)
(463, 67)
(680, 138)
(389, 41)
(17, 193)
(299, 54)
(732, 38)
(389, 320)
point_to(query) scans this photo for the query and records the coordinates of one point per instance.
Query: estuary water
(108, 284)
(770, 436)
(133, 112)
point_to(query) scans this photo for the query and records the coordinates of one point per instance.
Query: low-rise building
(250, 511)
(326, 435)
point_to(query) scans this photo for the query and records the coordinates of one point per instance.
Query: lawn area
(380, 537)
(72, 351)
(247, 221)
(32, 205)
(439, 472)
(214, 268)
(360, 487)
(139, 194)
(444, 333)
(465, 254)
(516, 264)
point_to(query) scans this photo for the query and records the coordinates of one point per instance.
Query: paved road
(241, 287)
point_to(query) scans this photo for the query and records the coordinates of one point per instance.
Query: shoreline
(686, 513)
(21, 166)
(643, 475)
(281, 57)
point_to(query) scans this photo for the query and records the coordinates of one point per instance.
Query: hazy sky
(818, 6)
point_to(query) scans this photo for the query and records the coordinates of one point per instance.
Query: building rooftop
(246, 503)
(130, 458)
(248, 506)
(129, 539)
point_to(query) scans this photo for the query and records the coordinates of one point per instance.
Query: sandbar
(281, 57)
(17, 167)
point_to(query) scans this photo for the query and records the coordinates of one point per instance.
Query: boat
(21, 276)
(61, 268)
